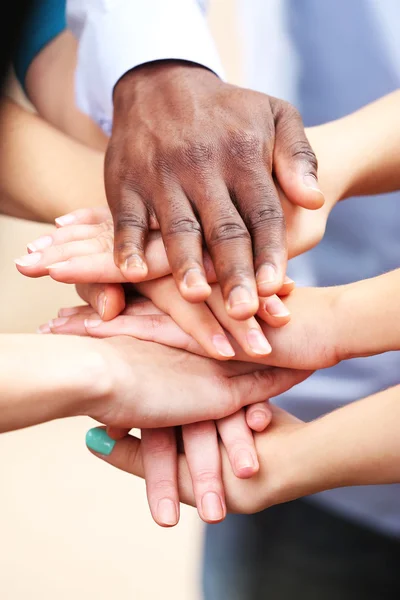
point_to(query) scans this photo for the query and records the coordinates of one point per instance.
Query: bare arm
(44, 173)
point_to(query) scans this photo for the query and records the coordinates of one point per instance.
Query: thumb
(107, 299)
(295, 162)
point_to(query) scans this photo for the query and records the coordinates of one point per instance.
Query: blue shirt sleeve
(47, 19)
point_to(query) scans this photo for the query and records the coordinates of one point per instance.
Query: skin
(206, 172)
(299, 459)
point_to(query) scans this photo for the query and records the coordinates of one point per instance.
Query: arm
(298, 459)
(120, 382)
(43, 172)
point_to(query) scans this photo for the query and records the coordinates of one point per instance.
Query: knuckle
(198, 154)
(228, 230)
(247, 145)
(182, 225)
(302, 151)
(207, 477)
(105, 241)
(163, 485)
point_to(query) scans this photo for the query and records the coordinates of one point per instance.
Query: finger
(260, 207)
(131, 228)
(261, 384)
(183, 242)
(141, 307)
(295, 163)
(258, 416)
(195, 319)
(160, 463)
(204, 461)
(69, 325)
(88, 216)
(83, 309)
(273, 311)
(248, 333)
(107, 299)
(150, 328)
(72, 233)
(287, 287)
(238, 440)
(229, 244)
(117, 433)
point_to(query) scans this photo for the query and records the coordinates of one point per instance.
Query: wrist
(149, 77)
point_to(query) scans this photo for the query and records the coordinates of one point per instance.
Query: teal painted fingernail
(99, 441)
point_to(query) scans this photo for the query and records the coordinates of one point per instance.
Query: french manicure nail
(211, 506)
(59, 265)
(65, 220)
(44, 329)
(98, 441)
(266, 274)
(258, 342)
(222, 345)
(41, 243)
(194, 278)
(134, 262)
(275, 307)
(244, 461)
(28, 260)
(101, 304)
(311, 182)
(90, 323)
(58, 322)
(239, 295)
(166, 512)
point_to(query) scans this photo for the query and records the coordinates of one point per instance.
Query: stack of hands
(237, 336)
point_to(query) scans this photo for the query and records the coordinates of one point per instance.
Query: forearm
(364, 148)
(43, 173)
(367, 317)
(44, 378)
(358, 444)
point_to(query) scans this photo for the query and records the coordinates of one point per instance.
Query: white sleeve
(118, 35)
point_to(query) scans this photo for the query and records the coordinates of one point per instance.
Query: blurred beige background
(71, 526)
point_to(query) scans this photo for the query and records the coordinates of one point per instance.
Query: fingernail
(288, 280)
(65, 220)
(259, 417)
(244, 461)
(239, 295)
(257, 342)
(134, 262)
(222, 345)
(211, 507)
(98, 441)
(194, 278)
(90, 323)
(275, 307)
(311, 182)
(28, 260)
(266, 274)
(58, 322)
(68, 312)
(101, 304)
(58, 265)
(166, 512)
(44, 329)
(41, 243)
